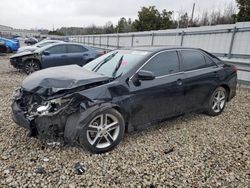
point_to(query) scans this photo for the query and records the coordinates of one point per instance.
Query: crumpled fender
(77, 121)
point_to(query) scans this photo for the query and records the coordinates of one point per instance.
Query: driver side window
(163, 64)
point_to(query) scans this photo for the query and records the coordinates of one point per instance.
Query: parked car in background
(34, 47)
(57, 54)
(11, 45)
(30, 41)
(123, 90)
(3, 48)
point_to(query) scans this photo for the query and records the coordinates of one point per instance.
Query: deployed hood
(22, 54)
(26, 49)
(52, 80)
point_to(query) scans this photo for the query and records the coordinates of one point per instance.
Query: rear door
(162, 97)
(77, 54)
(201, 78)
(57, 56)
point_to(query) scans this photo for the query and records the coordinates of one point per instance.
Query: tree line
(149, 18)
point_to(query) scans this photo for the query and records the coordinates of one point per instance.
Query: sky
(44, 14)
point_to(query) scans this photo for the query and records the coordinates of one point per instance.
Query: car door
(55, 56)
(77, 54)
(201, 78)
(161, 97)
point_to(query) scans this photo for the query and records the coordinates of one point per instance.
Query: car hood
(26, 49)
(50, 81)
(21, 54)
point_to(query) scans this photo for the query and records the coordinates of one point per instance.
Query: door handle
(85, 55)
(179, 82)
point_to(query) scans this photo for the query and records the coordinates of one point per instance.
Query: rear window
(76, 49)
(59, 49)
(193, 60)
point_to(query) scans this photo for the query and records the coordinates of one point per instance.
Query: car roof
(156, 48)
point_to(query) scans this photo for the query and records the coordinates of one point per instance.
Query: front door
(162, 97)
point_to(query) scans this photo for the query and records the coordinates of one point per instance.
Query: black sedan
(124, 90)
(56, 54)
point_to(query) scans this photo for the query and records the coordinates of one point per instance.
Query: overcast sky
(46, 13)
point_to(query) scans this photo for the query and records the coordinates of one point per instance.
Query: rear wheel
(8, 50)
(217, 101)
(31, 66)
(103, 132)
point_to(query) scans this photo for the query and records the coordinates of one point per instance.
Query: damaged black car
(122, 91)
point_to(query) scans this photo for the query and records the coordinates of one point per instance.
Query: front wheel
(31, 66)
(217, 102)
(103, 132)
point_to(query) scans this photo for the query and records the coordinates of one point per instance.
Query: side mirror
(145, 75)
(46, 53)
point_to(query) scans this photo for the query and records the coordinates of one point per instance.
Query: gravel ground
(190, 151)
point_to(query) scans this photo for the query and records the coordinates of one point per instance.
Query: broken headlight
(52, 106)
(17, 94)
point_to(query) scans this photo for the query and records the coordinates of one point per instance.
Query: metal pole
(152, 39)
(232, 43)
(182, 37)
(100, 42)
(107, 41)
(132, 40)
(117, 40)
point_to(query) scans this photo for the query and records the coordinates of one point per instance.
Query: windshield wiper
(107, 59)
(117, 67)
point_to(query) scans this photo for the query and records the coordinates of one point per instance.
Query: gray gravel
(190, 151)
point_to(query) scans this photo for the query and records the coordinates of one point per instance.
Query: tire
(97, 137)
(8, 50)
(31, 66)
(217, 102)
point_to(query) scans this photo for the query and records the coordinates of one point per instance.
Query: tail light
(100, 53)
(235, 69)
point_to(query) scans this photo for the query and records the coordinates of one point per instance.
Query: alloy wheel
(219, 101)
(103, 131)
(31, 67)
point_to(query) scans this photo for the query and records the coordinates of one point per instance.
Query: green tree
(124, 25)
(166, 19)
(148, 19)
(244, 10)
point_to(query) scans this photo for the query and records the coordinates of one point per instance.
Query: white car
(40, 44)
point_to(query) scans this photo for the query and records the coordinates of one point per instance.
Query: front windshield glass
(116, 63)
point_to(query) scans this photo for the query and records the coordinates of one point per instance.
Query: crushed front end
(44, 116)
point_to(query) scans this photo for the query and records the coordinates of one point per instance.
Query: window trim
(170, 50)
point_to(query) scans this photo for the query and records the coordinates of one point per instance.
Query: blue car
(12, 46)
(52, 55)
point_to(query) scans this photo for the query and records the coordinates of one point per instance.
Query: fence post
(152, 39)
(88, 40)
(182, 37)
(107, 41)
(117, 40)
(232, 43)
(132, 40)
(100, 42)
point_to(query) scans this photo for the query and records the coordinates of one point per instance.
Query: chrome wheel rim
(219, 101)
(31, 67)
(103, 131)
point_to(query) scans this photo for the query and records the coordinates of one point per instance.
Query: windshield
(116, 63)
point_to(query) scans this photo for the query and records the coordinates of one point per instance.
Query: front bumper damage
(46, 118)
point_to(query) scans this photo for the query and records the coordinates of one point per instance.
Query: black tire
(217, 102)
(106, 141)
(31, 66)
(8, 50)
